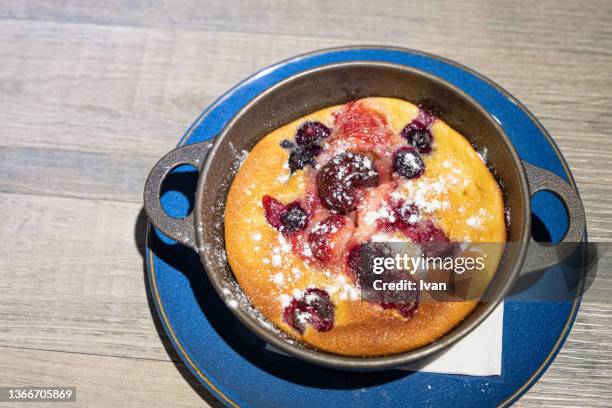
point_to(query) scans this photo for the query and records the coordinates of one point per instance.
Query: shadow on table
(140, 232)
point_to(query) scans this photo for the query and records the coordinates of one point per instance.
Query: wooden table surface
(92, 93)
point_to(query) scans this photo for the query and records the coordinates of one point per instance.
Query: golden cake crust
(269, 272)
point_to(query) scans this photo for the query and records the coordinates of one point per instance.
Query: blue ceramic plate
(232, 362)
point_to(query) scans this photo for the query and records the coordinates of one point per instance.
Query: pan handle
(545, 255)
(179, 229)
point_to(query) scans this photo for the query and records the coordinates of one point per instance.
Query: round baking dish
(339, 83)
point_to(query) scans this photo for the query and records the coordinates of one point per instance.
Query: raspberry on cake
(316, 191)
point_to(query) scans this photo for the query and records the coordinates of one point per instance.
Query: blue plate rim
(197, 372)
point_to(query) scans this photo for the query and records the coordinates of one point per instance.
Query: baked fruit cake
(311, 193)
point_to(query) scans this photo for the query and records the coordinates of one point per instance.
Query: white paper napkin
(477, 354)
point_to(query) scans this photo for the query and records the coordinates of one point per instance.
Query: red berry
(296, 315)
(406, 213)
(321, 307)
(362, 125)
(321, 237)
(273, 209)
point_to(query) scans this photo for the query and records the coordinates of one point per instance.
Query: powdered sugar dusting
(278, 278)
(474, 222)
(425, 194)
(343, 288)
(383, 213)
(283, 178)
(235, 298)
(276, 260)
(284, 299)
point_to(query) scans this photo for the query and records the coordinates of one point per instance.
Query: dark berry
(301, 157)
(419, 138)
(408, 163)
(294, 218)
(315, 307)
(273, 210)
(311, 132)
(340, 176)
(320, 238)
(287, 144)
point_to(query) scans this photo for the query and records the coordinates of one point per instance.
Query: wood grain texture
(102, 381)
(93, 93)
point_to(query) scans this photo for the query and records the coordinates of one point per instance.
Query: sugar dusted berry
(314, 307)
(406, 213)
(322, 309)
(418, 137)
(311, 132)
(337, 180)
(285, 218)
(322, 237)
(301, 157)
(296, 315)
(293, 218)
(408, 163)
